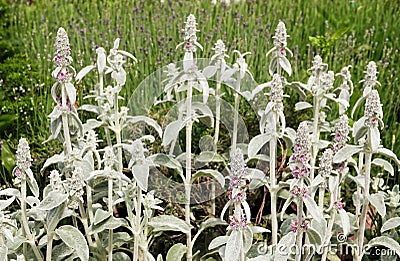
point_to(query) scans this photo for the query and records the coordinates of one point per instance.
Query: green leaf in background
(7, 157)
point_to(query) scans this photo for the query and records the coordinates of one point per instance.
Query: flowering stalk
(300, 168)
(237, 196)
(241, 66)
(190, 47)
(220, 62)
(373, 115)
(276, 96)
(62, 60)
(22, 170)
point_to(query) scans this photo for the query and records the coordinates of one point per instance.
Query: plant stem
(321, 196)
(25, 225)
(50, 231)
(67, 138)
(272, 171)
(110, 209)
(84, 220)
(138, 210)
(217, 112)
(188, 169)
(216, 134)
(358, 198)
(328, 234)
(299, 236)
(236, 115)
(363, 217)
(315, 136)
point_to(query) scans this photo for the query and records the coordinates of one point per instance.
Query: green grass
(151, 30)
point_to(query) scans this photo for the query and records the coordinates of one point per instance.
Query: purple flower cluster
(299, 192)
(295, 226)
(236, 223)
(373, 109)
(339, 205)
(62, 59)
(299, 161)
(325, 163)
(341, 133)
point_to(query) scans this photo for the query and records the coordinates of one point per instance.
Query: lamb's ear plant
(239, 239)
(273, 123)
(366, 134)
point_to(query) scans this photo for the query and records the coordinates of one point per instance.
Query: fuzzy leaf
(212, 222)
(5, 203)
(378, 202)
(61, 251)
(313, 208)
(390, 224)
(209, 71)
(344, 217)
(3, 252)
(228, 74)
(169, 223)
(120, 256)
(71, 92)
(100, 216)
(284, 246)
(285, 64)
(247, 238)
(209, 173)
(209, 156)
(259, 230)
(385, 164)
(390, 154)
(82, 73)
(53, 200)
(287, 203)
(73, 238)
(148, 121)
(32, 183)
(141, 175)
(167, 161)
(386, 242)
(53, 160)
(234, 246)
(257, 143)
(346, 152)
(217, 242)
(314, 236)
(302, 106)
(11, 192)
(110, 223)
(359, 129)
(176, 252)
(171, 132)
(375, 136)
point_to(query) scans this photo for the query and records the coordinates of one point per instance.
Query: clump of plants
(101, 202)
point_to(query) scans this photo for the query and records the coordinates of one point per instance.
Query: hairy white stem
(364, 211)
(64, 117)
(188, 173)
(299, 236)
(138, 210)
(273, 192)
(25, 225)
